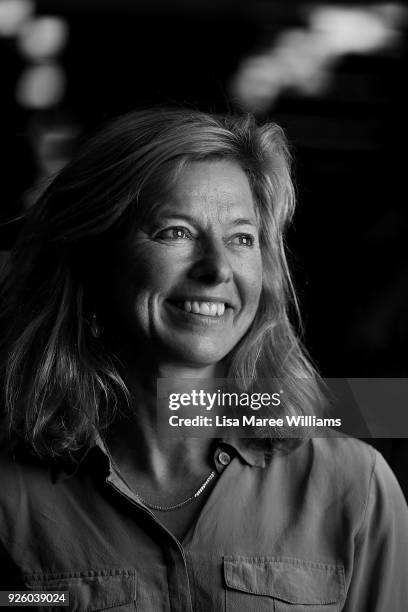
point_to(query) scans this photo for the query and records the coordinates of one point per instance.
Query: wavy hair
(59, 382)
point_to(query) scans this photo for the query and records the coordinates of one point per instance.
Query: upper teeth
(210, 309)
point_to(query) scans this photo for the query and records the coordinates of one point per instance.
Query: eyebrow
(241, 221)
(251, 221)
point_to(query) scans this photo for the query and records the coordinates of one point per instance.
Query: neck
(139, 445)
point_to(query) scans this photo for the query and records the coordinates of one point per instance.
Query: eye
(174, 233)
(246, 240)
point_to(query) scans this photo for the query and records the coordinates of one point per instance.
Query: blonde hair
(59, 381)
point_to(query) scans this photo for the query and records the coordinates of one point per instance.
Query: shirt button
(224, 458)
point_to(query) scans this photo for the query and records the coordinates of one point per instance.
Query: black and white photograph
(203, 306)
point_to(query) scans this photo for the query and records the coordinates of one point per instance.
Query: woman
(157, 253)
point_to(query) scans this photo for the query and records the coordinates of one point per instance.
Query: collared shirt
(319, 529)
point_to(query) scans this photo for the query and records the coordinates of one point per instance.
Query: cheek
(253, 282)
(143, 272)
(148, 274)
(155, 265)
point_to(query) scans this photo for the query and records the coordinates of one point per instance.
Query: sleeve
(379, 581)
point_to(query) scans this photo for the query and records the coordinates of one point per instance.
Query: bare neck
(141, 448)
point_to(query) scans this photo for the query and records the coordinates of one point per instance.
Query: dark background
(348, 241)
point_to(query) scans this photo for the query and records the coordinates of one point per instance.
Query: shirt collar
(253, 451)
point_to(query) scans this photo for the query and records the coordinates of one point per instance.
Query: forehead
(212, 187)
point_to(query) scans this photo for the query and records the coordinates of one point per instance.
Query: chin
(194, 357)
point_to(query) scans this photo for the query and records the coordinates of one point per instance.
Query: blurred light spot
(13, 13)
(53, 146)
(303, 59)
(355, 30)
(41, 86)
(43, 37)
(297, 62)
(53, 140)
(258, 82)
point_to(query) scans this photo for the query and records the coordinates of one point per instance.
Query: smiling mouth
(206, 309)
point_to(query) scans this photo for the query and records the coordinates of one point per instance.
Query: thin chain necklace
(180, 504)
(175, 506)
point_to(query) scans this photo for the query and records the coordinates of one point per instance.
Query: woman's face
(187, 283)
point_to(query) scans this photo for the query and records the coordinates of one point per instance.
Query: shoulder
(347, 469)
(353, 463)
(343, 474)
(344, 459)
(23, 479)
(347, 459)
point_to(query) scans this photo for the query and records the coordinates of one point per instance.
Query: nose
(212, 266)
